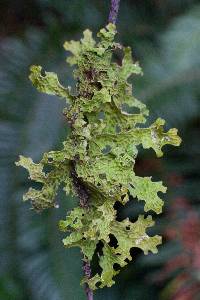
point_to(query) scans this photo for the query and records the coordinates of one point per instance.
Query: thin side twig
(114, 8)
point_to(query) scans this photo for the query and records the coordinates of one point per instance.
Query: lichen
(101, 148)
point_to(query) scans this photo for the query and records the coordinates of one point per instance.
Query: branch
(84, 203)
(113, 11)
(87, 272)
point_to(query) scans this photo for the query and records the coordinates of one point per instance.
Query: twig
(87, 272)
(84, 203)
(81, 190)
(113, 11)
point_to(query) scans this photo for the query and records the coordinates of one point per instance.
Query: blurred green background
(165, 37)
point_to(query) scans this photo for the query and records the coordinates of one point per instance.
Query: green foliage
(100, 153)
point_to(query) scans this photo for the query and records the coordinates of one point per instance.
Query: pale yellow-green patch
(48, 83)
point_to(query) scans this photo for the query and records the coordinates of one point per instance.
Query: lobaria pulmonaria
(98, 157)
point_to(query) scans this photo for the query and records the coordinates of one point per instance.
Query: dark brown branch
(113, 11)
